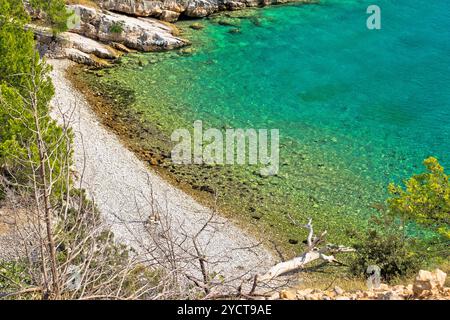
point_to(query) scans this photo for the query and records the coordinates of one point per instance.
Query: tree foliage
(72, 255)
(55, 13)
(425, 198)
(24, 77)
(16, 45)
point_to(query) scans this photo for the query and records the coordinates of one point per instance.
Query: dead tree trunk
(44, 185)
(311, 254)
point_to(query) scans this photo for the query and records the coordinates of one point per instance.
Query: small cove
(356, 108)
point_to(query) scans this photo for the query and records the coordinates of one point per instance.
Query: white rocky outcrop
(101, 37)
(103, 34)
(142, 34)
(90, 46)
(81, 57)
(74, 47)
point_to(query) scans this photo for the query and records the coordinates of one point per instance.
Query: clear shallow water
(387, 91)
(356, 108)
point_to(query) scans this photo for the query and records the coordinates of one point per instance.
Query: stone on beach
(427, 282)
(81, 57)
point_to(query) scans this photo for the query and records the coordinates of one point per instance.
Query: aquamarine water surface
(356, 108)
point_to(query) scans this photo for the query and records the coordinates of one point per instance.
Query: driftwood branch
(311, 254)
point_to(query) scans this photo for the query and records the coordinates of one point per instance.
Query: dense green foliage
(395, 240)
(23, 72)
(386, 246)
(425, 198)
(13, 273)
(16, 45)
(55, 13)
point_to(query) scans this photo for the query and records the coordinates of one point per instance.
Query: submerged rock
(234, 31)
(187, 51)
(232, 22)
(196, 26)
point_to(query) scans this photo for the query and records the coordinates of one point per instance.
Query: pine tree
(24, 79)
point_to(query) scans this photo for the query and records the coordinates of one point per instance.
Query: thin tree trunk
(45, 192)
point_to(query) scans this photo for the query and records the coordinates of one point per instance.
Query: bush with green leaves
(425, 199)
(16, 45)
(385, 245)
(13, 275)
(116, 27)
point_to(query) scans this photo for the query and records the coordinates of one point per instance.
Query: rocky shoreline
(100, 37)
(173, 10)
(97, 37)
(427, 286)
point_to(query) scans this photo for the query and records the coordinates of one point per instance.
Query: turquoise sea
(356, 108)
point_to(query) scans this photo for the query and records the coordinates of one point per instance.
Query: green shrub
(13, 275)
(385, 246)
(22, 72)
(116, 27)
